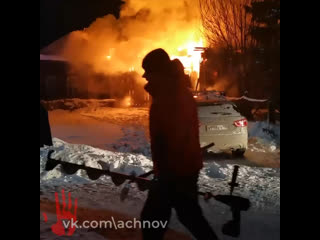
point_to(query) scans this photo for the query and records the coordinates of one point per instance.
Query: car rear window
(218, 108)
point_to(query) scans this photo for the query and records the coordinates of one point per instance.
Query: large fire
(190, 57)
(188, 53)
(113, 46)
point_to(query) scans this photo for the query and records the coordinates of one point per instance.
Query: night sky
(59, 17)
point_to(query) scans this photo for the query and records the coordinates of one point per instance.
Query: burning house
(53, 77)
(106, 57)
(59, 79)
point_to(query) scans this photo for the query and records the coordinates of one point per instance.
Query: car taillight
(241, 123)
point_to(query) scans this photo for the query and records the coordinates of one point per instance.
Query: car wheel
(239, 153)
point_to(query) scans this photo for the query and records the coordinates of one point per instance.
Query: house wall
(53, 80)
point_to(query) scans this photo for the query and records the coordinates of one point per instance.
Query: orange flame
(112, 45)
(190, 58)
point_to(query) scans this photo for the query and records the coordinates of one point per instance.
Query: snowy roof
(51, 58)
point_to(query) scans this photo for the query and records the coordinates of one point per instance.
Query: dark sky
(59, 17)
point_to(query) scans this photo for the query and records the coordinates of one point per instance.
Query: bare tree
(227, 23)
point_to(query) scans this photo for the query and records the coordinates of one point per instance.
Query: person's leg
(157, 208)
(186, 203)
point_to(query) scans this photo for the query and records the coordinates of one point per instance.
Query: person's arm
(158, 141)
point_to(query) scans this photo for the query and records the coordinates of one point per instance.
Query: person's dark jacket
(45, 131)
(174, 130)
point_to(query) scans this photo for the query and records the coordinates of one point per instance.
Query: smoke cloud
(113, 46)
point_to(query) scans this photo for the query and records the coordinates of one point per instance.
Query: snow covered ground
(119, 137)
(126, 130)
(267, 134)
(260, 185)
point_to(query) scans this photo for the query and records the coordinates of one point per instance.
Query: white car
(221, 123)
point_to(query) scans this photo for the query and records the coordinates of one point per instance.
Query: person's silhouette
(45, 131)
(176, 151)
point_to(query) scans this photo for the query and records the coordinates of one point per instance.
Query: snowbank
(134, 140)
(260, 185)
(120, 116)
(83, 154)
(74, 104)
(264, 137)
